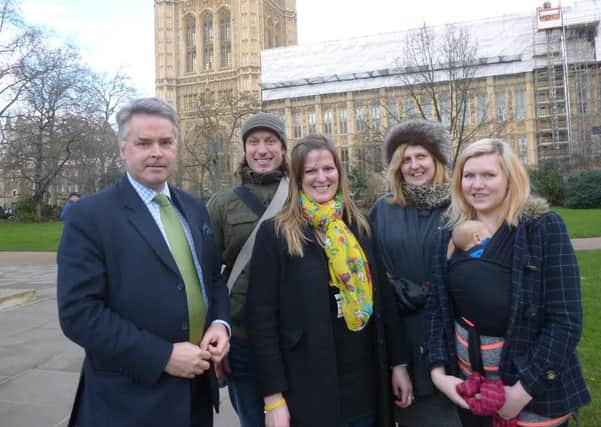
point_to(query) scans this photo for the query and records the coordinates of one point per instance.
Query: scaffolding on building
(566, 76)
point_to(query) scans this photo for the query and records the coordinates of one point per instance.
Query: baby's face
(480, 235)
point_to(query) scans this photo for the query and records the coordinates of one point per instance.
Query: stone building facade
(536, 83)
(208, 55)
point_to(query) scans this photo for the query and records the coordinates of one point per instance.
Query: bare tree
(438, 69)
(48, 129)
(207, 143)
(58, 116)
(108, 93)
(98, 156)
(18, 44)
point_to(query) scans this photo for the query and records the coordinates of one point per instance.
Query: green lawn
(581, 222)
(35, 237)
(590, 344)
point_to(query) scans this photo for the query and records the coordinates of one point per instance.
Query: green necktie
(180, 249)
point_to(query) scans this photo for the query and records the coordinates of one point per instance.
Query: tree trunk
(38, 210)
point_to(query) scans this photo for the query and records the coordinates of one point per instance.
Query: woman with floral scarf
(405, 224)
(317, 318)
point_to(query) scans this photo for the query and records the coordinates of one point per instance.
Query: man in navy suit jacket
(121, 295)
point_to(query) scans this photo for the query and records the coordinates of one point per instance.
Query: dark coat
(289, 329)
(121, 297)
(404, 237)
(545, 321)
(232, 223)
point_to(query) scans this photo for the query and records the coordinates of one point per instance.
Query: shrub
(546, 182)
(25, 211)
(584, 190)
(376, 186)
(357, 182)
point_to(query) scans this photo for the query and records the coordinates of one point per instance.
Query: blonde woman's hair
(395, 174)
(290, 221)
(518, 183)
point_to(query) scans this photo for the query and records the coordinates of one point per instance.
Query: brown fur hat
(430, 135)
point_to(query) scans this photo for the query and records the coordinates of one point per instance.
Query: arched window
(225, 39)
(190, 25)
(207, 42)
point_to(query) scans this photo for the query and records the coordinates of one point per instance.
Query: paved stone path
(590, 243)
(39, 367)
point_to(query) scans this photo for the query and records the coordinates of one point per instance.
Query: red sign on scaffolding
(549, 18)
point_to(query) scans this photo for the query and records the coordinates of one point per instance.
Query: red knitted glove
(497, 421)
(471, 386)
(492, 398)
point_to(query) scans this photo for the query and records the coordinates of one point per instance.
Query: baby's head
(468, 234)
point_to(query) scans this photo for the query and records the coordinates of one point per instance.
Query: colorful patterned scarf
(347, 263)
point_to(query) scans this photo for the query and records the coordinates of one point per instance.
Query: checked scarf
(349, 271)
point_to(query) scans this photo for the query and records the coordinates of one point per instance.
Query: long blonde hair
(518, 183)
(290, 221)
(395, 174)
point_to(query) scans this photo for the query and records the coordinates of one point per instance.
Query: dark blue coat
(545, 321)
(121, 297)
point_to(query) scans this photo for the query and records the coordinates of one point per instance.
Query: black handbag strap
(250, 200)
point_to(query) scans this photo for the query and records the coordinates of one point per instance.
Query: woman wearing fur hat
(405, 223)
(510, 320)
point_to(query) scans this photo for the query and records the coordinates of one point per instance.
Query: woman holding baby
(502, 328)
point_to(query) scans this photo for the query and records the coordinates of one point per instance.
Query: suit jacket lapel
(142, 220)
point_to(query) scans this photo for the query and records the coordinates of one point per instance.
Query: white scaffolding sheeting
(505, 46)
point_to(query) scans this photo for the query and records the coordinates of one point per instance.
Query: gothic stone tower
(208, 56)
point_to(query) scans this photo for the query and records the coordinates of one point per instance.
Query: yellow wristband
(269, 408)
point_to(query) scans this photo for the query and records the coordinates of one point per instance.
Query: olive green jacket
(232, 223)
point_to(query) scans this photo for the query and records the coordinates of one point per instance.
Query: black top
(355, 364)
(481, 287)
(500, 246)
